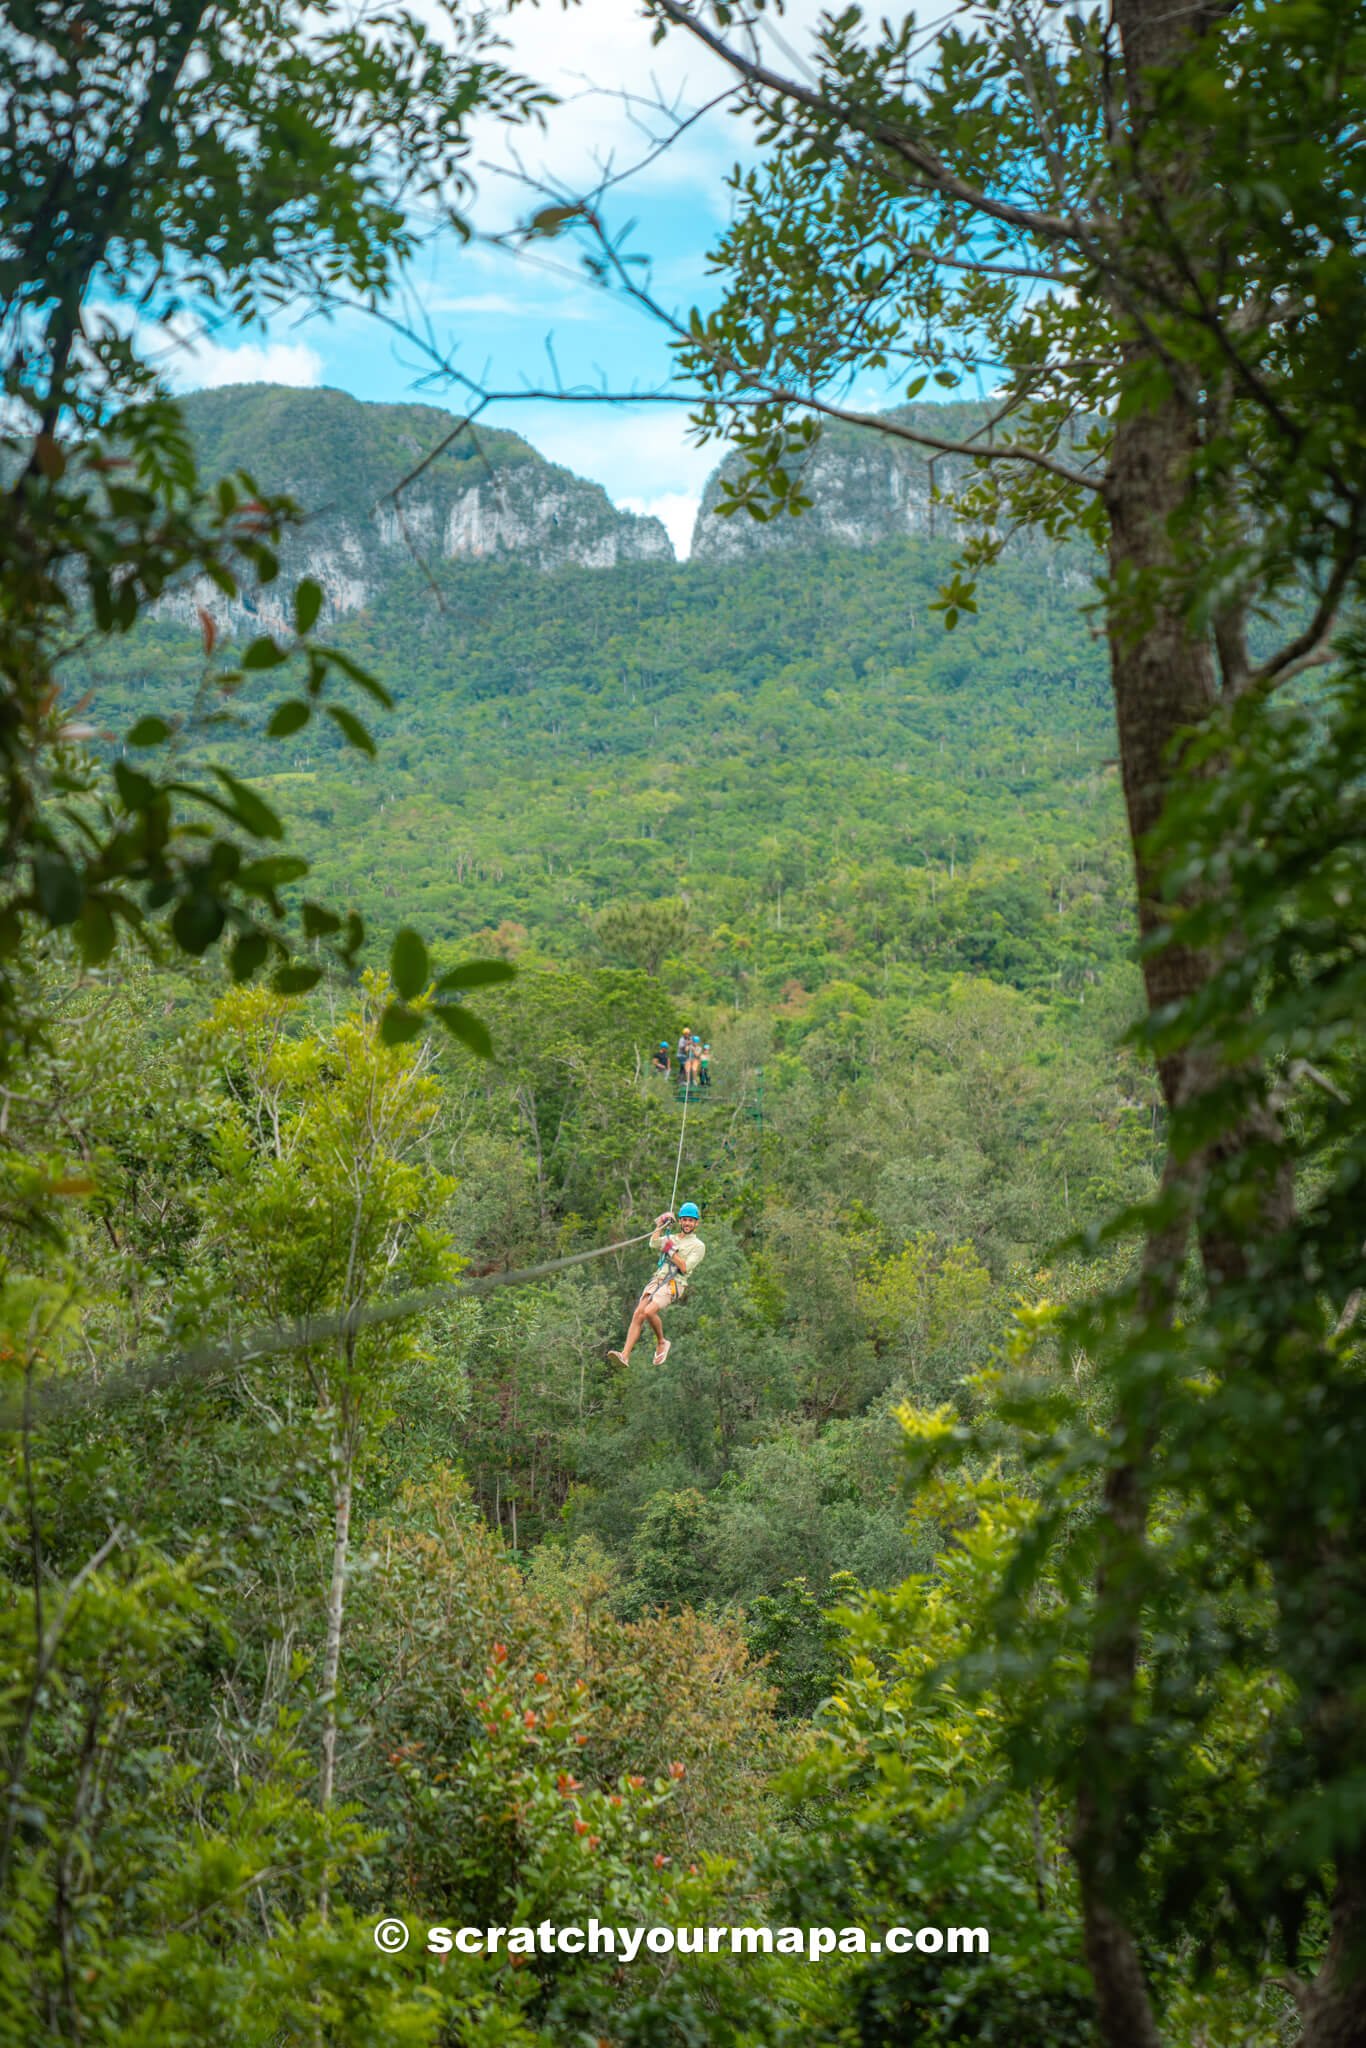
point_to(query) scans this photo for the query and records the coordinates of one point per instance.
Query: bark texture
(336, 1599)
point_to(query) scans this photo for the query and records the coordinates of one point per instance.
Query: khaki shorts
(663, 1293)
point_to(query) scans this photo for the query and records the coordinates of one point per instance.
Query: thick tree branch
(1312, 647)
(909, 148)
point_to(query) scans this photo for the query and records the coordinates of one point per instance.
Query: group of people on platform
(692, 1056)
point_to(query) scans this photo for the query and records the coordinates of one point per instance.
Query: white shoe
(663, 1351)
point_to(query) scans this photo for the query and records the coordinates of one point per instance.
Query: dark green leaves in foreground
(410, 972)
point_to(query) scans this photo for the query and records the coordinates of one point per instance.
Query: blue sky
(514, 321)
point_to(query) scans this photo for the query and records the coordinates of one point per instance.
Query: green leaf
(288, 717)
(274, 871)
(351, 726)
(361, 676)
(354, 937)
(196, 922)
(264, 653)
(464, 1025)
(149, 732)
(58, 887)
(98, 934)
(308, 604)
(249, 955)
(550, 220)
(319, 922)
(295, 979)
(398, 1024)
(476, 974)
(136, 791)
(253, 811)
(408, 964)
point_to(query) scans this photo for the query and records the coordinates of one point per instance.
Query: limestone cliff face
(488, 496)
(866, 487)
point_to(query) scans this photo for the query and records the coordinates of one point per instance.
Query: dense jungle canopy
(986, 1557)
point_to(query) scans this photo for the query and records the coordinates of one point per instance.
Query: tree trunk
(1164, 681)
(1333, 2007)
(336, 1598)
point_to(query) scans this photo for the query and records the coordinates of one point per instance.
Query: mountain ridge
(385, 486)
(381, 481)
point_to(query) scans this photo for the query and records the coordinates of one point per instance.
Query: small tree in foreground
(323, 1203)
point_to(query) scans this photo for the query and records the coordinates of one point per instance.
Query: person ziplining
(679, 1258)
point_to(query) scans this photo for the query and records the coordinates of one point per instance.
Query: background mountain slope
(787, 747)
(486, 495)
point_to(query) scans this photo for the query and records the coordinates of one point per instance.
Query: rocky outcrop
(552, 518)
(488, 496)
(865, 487)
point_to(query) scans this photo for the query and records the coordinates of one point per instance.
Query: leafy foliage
(174, 164)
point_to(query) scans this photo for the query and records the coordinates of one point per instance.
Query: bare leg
(644, 1313)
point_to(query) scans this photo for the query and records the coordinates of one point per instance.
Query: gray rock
(489, 496)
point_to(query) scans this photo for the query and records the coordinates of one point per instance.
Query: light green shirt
(685, 1258)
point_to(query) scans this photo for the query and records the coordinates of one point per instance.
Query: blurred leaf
(149, 732)
(253, 810)
(98, 933)
(408, 964)
(476, 974)
(351, 726)
(295, 979)
(308, 604)
(399, 1024)
(464, 1025)
(58, 888)
(264, 653)
(288, 717)
(249, 955)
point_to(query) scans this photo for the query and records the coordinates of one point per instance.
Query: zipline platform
(718, 1097)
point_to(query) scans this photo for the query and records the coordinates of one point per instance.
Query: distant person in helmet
(681, 1252)
(704, 1067)
(660, 1058)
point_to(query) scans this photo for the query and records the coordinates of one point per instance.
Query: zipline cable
(67, 1396)
(678, 1163)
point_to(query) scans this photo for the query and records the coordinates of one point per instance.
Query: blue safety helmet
(663, 1045)
(691, 1209)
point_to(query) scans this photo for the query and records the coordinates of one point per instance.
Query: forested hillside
(865, 1548)
(789, 754)
(878, 865)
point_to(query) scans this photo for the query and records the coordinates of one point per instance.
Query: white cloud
(641, 455)
(677, 510)
(502, 306)
(191, 360)
(198, 364)
(618, 90)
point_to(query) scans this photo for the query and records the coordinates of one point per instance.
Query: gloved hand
(667, 1217)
